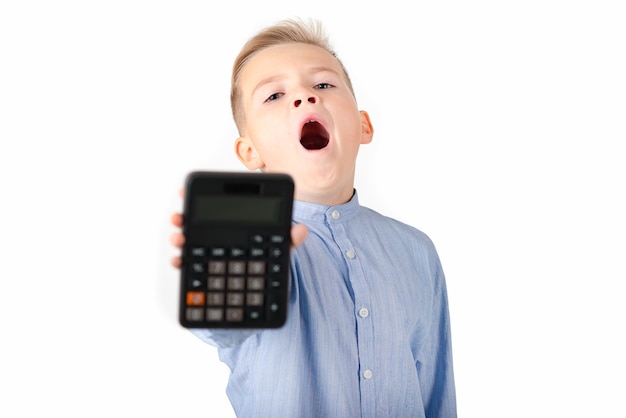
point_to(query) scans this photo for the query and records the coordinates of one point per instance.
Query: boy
(368, 331)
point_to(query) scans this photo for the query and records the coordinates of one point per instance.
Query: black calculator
(235, 270)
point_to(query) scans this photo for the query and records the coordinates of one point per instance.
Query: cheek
(351, 130)
(348, 116)
(272, 148)
(272, 127)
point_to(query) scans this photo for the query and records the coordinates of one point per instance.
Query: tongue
(313, 136)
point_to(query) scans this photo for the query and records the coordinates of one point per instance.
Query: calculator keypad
(237, 286)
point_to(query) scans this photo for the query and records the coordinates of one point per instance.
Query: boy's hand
(177, 239)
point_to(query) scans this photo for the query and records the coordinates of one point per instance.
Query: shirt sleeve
(223, 338)
(437, 375)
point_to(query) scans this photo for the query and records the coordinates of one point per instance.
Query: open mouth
(314, 136)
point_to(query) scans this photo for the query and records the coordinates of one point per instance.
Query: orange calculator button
(195, 298)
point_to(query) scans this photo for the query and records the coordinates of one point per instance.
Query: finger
(177, 239)
(299, 233)
(177, 220)
(177, 261)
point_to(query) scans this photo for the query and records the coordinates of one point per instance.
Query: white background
(500, 130)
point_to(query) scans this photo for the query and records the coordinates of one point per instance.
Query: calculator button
(257, 238)
(234, 299)
(236, 283)
(256, 267)
(198, 251)
(194, 314)
(254, 299)
(236, 267)
(195, 298)
(217, 267)
(216, 283)
(214, 314)
(218, 252)
(255, 314)
(275, 268)
(237, 252)
(234, 314)
(256, 283)
(275, 283)
(197, 267)
(276, 252)
(277, 239)
(215, 299)
(196, 283)
(273, 307)
(257, 252)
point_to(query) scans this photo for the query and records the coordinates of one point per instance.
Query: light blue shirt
(368, 330)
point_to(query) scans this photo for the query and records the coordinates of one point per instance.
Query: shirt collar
(312, 212)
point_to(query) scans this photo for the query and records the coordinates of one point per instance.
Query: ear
(367, 129)
(247, 154)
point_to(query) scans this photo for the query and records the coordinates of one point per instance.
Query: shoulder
(409, 246)
(376, 219)
(396, 230)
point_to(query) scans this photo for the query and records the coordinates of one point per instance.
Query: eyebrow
(271, 79)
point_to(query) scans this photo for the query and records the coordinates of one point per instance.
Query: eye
(323, 86)
(273, 97)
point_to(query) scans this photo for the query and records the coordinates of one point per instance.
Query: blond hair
(284, 32)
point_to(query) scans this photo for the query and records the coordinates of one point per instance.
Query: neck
(325, 199)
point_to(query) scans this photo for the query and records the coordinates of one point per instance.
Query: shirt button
(367, 374)
(363, 312)
(335, 214)
(350, 254)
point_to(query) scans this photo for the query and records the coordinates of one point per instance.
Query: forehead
(278, 61)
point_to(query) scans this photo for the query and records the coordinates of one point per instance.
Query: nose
(298, 102)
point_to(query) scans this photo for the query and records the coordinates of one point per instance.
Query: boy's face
(302, 119)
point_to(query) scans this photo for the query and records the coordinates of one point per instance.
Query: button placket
(358, 283)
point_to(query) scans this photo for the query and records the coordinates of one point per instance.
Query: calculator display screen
(237, 209)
